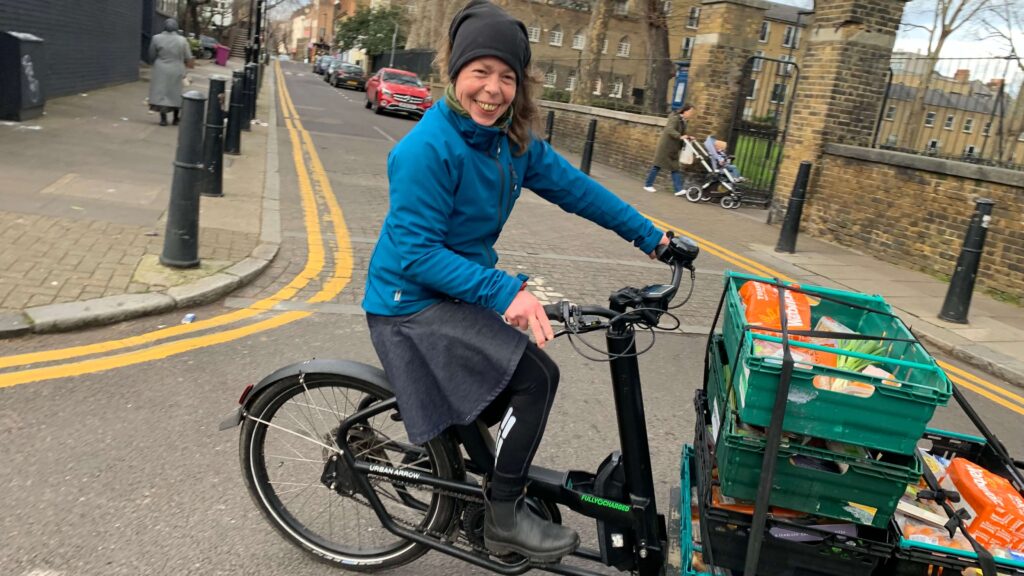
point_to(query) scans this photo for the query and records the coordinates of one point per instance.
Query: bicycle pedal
(510, 558)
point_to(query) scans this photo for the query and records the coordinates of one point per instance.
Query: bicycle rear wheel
(286, 442)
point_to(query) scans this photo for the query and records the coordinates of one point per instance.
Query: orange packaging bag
(997, 510)
(762, 303)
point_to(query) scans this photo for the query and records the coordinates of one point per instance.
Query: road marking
(724, 253)
(967, 375)
(384, 134)
(979, 390)
(311, 270)
(59, 183)
(331, 287)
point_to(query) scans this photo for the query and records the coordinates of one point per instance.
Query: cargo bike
(325, 459)
(812, 452)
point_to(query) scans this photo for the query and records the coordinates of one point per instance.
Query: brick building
(558, 33)
(88, 45)
(962, 116)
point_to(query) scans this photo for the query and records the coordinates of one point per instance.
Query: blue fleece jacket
(452, 184)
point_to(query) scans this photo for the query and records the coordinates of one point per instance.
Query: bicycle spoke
(293, 437)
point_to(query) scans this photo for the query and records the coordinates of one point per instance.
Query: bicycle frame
(640, 514)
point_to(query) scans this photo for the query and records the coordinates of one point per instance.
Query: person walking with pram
(721, 182)
(670, 143)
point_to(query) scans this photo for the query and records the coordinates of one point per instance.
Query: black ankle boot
(510, 526)
(163, 119)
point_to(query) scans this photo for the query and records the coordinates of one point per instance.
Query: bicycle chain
(461, 538)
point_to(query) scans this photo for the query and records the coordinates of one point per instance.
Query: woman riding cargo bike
(449, 327)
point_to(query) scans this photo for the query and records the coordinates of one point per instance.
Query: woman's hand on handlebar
(526, 313)
(654, 253)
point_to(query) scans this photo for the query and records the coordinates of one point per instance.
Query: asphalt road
(123, 472)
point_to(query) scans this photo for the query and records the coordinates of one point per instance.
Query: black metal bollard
(246, 119)
(961, 286)
(250, 78)
(233, 139)
(181, 240)
(794, 211)
(550, 129)
(588, 148)
(213, 141)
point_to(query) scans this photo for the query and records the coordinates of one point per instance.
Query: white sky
(963, 44)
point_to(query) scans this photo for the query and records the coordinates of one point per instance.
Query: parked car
(348, 76)
(393, 90)
(330, 66)
(318, 63)
(208, 46)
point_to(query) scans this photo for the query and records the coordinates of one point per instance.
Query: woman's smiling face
(485, 88)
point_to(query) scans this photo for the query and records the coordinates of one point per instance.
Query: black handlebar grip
(554, 312)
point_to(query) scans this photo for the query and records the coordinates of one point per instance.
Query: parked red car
(393, 90)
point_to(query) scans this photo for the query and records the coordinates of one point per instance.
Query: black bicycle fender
(350, 368)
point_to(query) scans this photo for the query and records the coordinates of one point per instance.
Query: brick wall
(914, 211)
(909, 210)
(842, 82)
(88, 44)
(622, 140)
(728, 37)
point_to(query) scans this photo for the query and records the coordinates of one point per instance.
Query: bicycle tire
(304, 432)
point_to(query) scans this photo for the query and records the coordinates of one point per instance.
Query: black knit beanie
(483, 29)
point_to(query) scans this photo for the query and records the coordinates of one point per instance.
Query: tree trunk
(438, 26)
(420, 24)
(590, 63)
(659, 68)
(917, 108)
(193, 16)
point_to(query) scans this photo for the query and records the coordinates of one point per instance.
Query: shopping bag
(686, 154)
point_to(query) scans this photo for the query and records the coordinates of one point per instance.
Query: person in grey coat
(666, 155)
(169, 53)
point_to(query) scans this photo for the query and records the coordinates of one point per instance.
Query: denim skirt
(446, 363)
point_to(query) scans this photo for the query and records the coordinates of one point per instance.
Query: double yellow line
(312, 270)
(958, 376)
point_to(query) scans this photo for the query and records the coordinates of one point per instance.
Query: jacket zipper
(501, 204)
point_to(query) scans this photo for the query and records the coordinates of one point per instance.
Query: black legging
(525, 402)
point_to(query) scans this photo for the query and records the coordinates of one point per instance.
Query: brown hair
(524, 105)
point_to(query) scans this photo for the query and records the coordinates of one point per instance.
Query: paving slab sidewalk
(83, 206)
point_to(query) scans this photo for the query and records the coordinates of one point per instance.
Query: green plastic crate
(686, 543)
(891, 419)
(866, 493)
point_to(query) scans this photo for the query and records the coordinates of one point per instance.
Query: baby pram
(718, 183)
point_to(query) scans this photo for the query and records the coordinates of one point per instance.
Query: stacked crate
(842, 456)
(886, 424)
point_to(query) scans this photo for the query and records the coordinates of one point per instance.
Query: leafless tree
(947, 16)
(590, 59)
(192, 22)
(1004, 24)
(659, 69)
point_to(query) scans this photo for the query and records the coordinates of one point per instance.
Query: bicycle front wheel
(286, 443)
